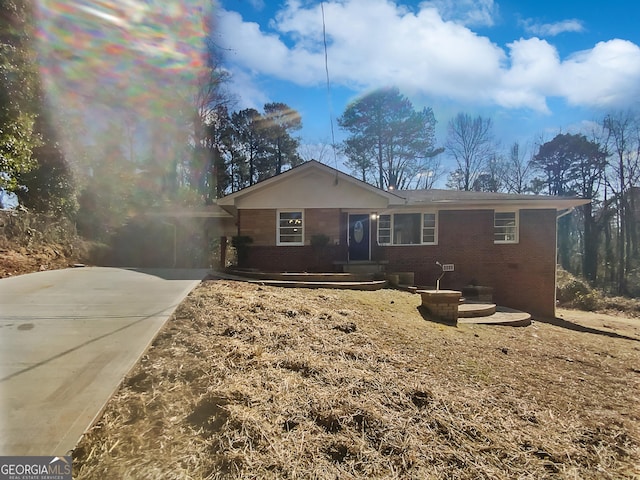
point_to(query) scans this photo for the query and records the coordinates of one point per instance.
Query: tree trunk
(380, 169)
(278, 157)
(632, 227)
(590, 257)
(610, 271)
(620, 287)
(563, 243)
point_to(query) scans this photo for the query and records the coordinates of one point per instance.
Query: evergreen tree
(278, 123)
(573, 165)
(387, 131)
(18, 93)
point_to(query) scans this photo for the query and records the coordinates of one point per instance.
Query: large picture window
(407, 229)
(505, 227)
(291, 227)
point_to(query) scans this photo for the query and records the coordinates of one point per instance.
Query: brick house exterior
(507, 242)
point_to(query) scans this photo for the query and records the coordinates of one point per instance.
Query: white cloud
(476, 13)
(531, 77)
(607, 75)
(264, 53)
(243, 89)
(376, 42)
(257, 4)
(553, 29)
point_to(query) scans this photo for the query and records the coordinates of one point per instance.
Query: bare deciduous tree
(622, 132)
(471, 143)
(519, 171)
(320, 151)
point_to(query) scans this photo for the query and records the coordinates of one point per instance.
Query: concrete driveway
(67, 338)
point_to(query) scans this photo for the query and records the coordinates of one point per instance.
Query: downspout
(555, 271)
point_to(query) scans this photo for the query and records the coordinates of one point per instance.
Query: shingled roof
(464, 199)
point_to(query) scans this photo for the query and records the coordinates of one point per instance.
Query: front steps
(484, 312)
(501, 316)
(347, 281)
(369, 278)
(476, 310)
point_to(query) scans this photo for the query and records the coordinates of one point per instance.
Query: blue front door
(359, 236)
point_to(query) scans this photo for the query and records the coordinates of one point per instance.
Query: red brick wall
(261, 225)
(322, 221)
(296, 259)
(522, 275)
(265, 255)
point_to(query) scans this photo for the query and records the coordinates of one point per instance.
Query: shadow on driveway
(174, 273)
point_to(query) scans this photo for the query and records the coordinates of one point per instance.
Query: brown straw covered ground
(249, 381)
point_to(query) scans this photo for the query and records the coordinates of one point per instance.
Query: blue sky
(535, 67)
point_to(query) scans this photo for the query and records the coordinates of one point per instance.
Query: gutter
(565, 213)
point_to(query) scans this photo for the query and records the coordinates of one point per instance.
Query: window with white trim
(290, 227)
(384, 229)
(429, 228)
(407, 229)
(505, 227)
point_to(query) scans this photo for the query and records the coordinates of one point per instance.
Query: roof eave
(230, 200)
(533, 204)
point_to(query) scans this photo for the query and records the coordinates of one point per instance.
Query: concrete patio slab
(502, 316)
(67, 339)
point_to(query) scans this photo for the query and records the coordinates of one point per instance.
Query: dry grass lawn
(249, 381)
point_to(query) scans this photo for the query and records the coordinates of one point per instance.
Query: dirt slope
(248, 381)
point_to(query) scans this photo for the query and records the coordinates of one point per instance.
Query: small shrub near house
(574, 292)
(241, 244)
(320, 241)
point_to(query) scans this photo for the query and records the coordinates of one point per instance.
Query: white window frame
(435, 228)
(389, 231)
(516, 239)
(279, 241)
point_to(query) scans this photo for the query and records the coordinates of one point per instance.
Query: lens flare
(132, 50)
(141, 57)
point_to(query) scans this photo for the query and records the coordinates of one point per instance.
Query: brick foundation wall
(295, 259)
